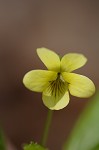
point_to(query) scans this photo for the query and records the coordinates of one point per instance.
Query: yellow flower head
(56, 82)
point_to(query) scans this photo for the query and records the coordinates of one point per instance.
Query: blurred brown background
(63, 26)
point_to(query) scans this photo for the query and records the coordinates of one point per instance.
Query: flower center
(57, 88)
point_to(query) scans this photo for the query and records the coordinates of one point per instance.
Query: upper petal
(49, 58)
(79, 85)
(72, 61)
(56, 103)
(38, 80)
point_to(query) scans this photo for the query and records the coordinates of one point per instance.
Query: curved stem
(46, 128)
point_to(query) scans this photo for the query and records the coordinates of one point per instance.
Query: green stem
(47, 127)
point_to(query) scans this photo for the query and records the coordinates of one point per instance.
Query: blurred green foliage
(85, 135)
(2, 143)
(33, 146)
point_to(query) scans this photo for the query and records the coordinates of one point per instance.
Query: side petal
(72, 61)
(38, 80)
(79, 85)
(49, 58)
(56, 103)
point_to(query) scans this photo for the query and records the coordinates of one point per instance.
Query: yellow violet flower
(56, 82)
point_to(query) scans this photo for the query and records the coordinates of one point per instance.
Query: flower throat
(58, 87)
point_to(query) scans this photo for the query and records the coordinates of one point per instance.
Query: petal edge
(72, 61)
(49, 58)
(56, 104)
(79, 85)
(37, 80)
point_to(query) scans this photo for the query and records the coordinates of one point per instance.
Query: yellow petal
(56, 103)
(79, 85)
(49, 58)
(72, 61)
(38, 80)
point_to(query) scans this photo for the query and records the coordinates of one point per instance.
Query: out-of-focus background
(63, 26)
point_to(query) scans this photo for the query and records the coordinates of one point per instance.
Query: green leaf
(2, 143)
(85, 135)
(33, 146)
(96, 147)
